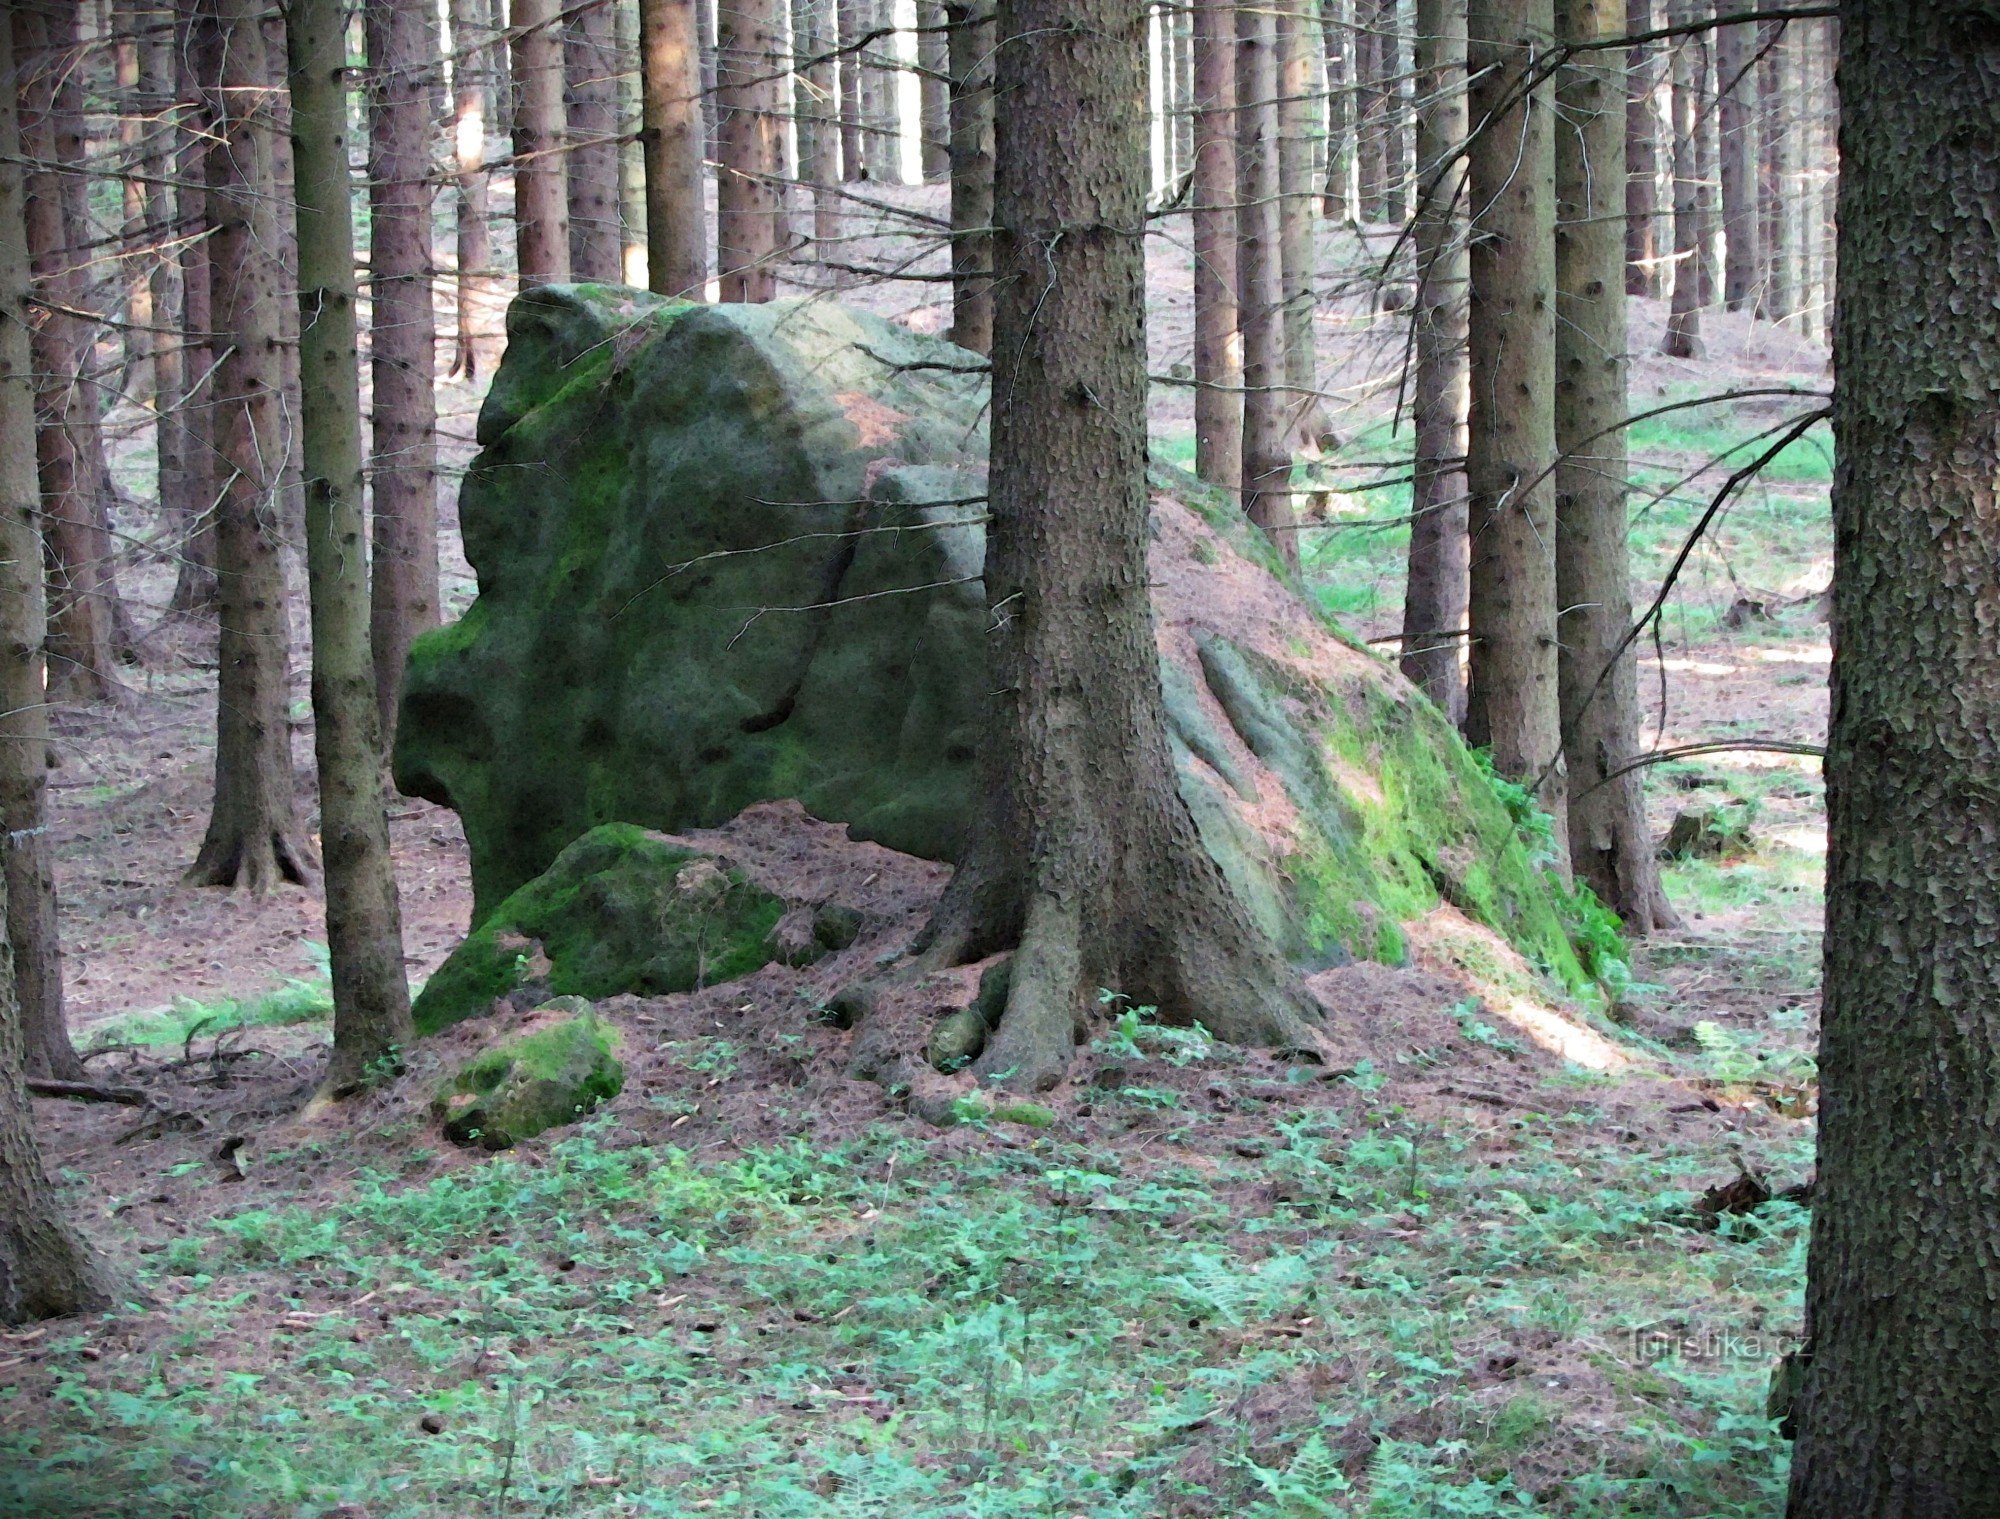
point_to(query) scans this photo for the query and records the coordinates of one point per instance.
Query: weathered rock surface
(729, 554)
(553, 1072)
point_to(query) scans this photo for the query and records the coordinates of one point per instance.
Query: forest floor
(1463, 1277)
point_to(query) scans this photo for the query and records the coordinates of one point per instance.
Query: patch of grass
(300, 999)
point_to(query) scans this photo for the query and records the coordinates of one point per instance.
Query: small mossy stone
(957, 1039)
(835, 926)
(519, 1087)
(620, 910)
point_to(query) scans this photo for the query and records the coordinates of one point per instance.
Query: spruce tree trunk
(1773, 293)
(1337, 38)
(156, 84)
(934, 58)
(852, 18)
(1642, 155)
(364, 928)
(82, 595)
(1218, 348)
(1087, 858)
(402, 50)
(29, 881)
(877, 156)
(711, 110)
(1737, 119)
(1901, 1395)
(1438, 582)
(1371, 110)
(1610, 846)
(822, 92)
(676, 228)
(1260, 285)
(128, 21)
(631, 150)
(971, 64)
(749, 218)
(1397, 109)
(541, 196)
(1180, 21)
(1683, 339)
(1511, 703)
(590, 97)
(1305, 416)
(480, 301)
(195, 587)
(254, 840)
(1707, 154)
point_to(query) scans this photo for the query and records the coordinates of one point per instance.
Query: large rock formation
(729, 554)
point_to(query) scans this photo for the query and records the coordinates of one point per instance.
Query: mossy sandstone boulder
(728, 554)
(553, 1072)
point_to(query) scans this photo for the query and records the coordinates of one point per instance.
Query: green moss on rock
(621, 910)
(551, 1075)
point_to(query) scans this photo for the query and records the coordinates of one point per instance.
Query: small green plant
(1134, 1036)
(298, 999)
(1477, 1031)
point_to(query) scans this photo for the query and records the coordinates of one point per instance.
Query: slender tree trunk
(364, 928)
(749, 219)
(590, 66)
(1684, 320)
(1371, 112)
(480, 302)
(934, 58)
(253, 839)
(1218, 347)
(1773, 293)
(541, 199)
(1087, 856)
(1434, 603)
(971, 62)
(83, 593)
(1737, 115)
(676, 231)
(822, 90)
(1707, 154)
(1642, 153)
(711, 109)
(631, 150)
(1260, 285)
(402, 49)
(1305, 416)
(1824, 211)
(1179, 20)
(1337, 38)
(130, 20)
(29, 881)
(1611, 848)
(852, 16)
(1901, 1394)
(277, 116)
(195, 587)
(1397, 111)
(156, 84)
(1511, 704)
(877, 157)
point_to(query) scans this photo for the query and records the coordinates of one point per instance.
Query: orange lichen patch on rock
(878, 425)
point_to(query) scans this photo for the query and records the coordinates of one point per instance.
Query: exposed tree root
(255, 862)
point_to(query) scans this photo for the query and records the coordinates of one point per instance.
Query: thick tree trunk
(934, 58)
(402, 49)
(1260, 285)
(541, 199)
(1511, 704)
(83, 593)
(30, 917)
(1774, 287)
(1305, 416)
(195, 587)
(1434, 602)
(971, 62)
(676, 229)
(852, 19)
(1642, 155)
(1610, 846)
(1737, 118)
(1088, 857)
(1901, 1395)
(750, 215)
(1683, 339)
(1337, 38)
(590, 68)
(481, 304)
(364, 928)
(254, 839)
(1218, 347)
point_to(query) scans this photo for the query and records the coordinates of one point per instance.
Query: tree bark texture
(541, 196)
(1088, 857)
(820, 146)
(750, 234)
(1642, 155)
(1218, 344)
(30, 918)
(1371, 108)
(1901, 1394)
(195, 59)
(1736, 112)
(1337, 38)
(1438, 582)
(481, 303)
(1511, 705)
(1260, 286)
(971, 62)
(402, 48)
(676, 229)
(933, 58)
(364, 927)
(851, 16)
(254, 840)
(590, 99)
(1683, 340)
(1774, 284)
(1611, 848)
(1298, 251)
